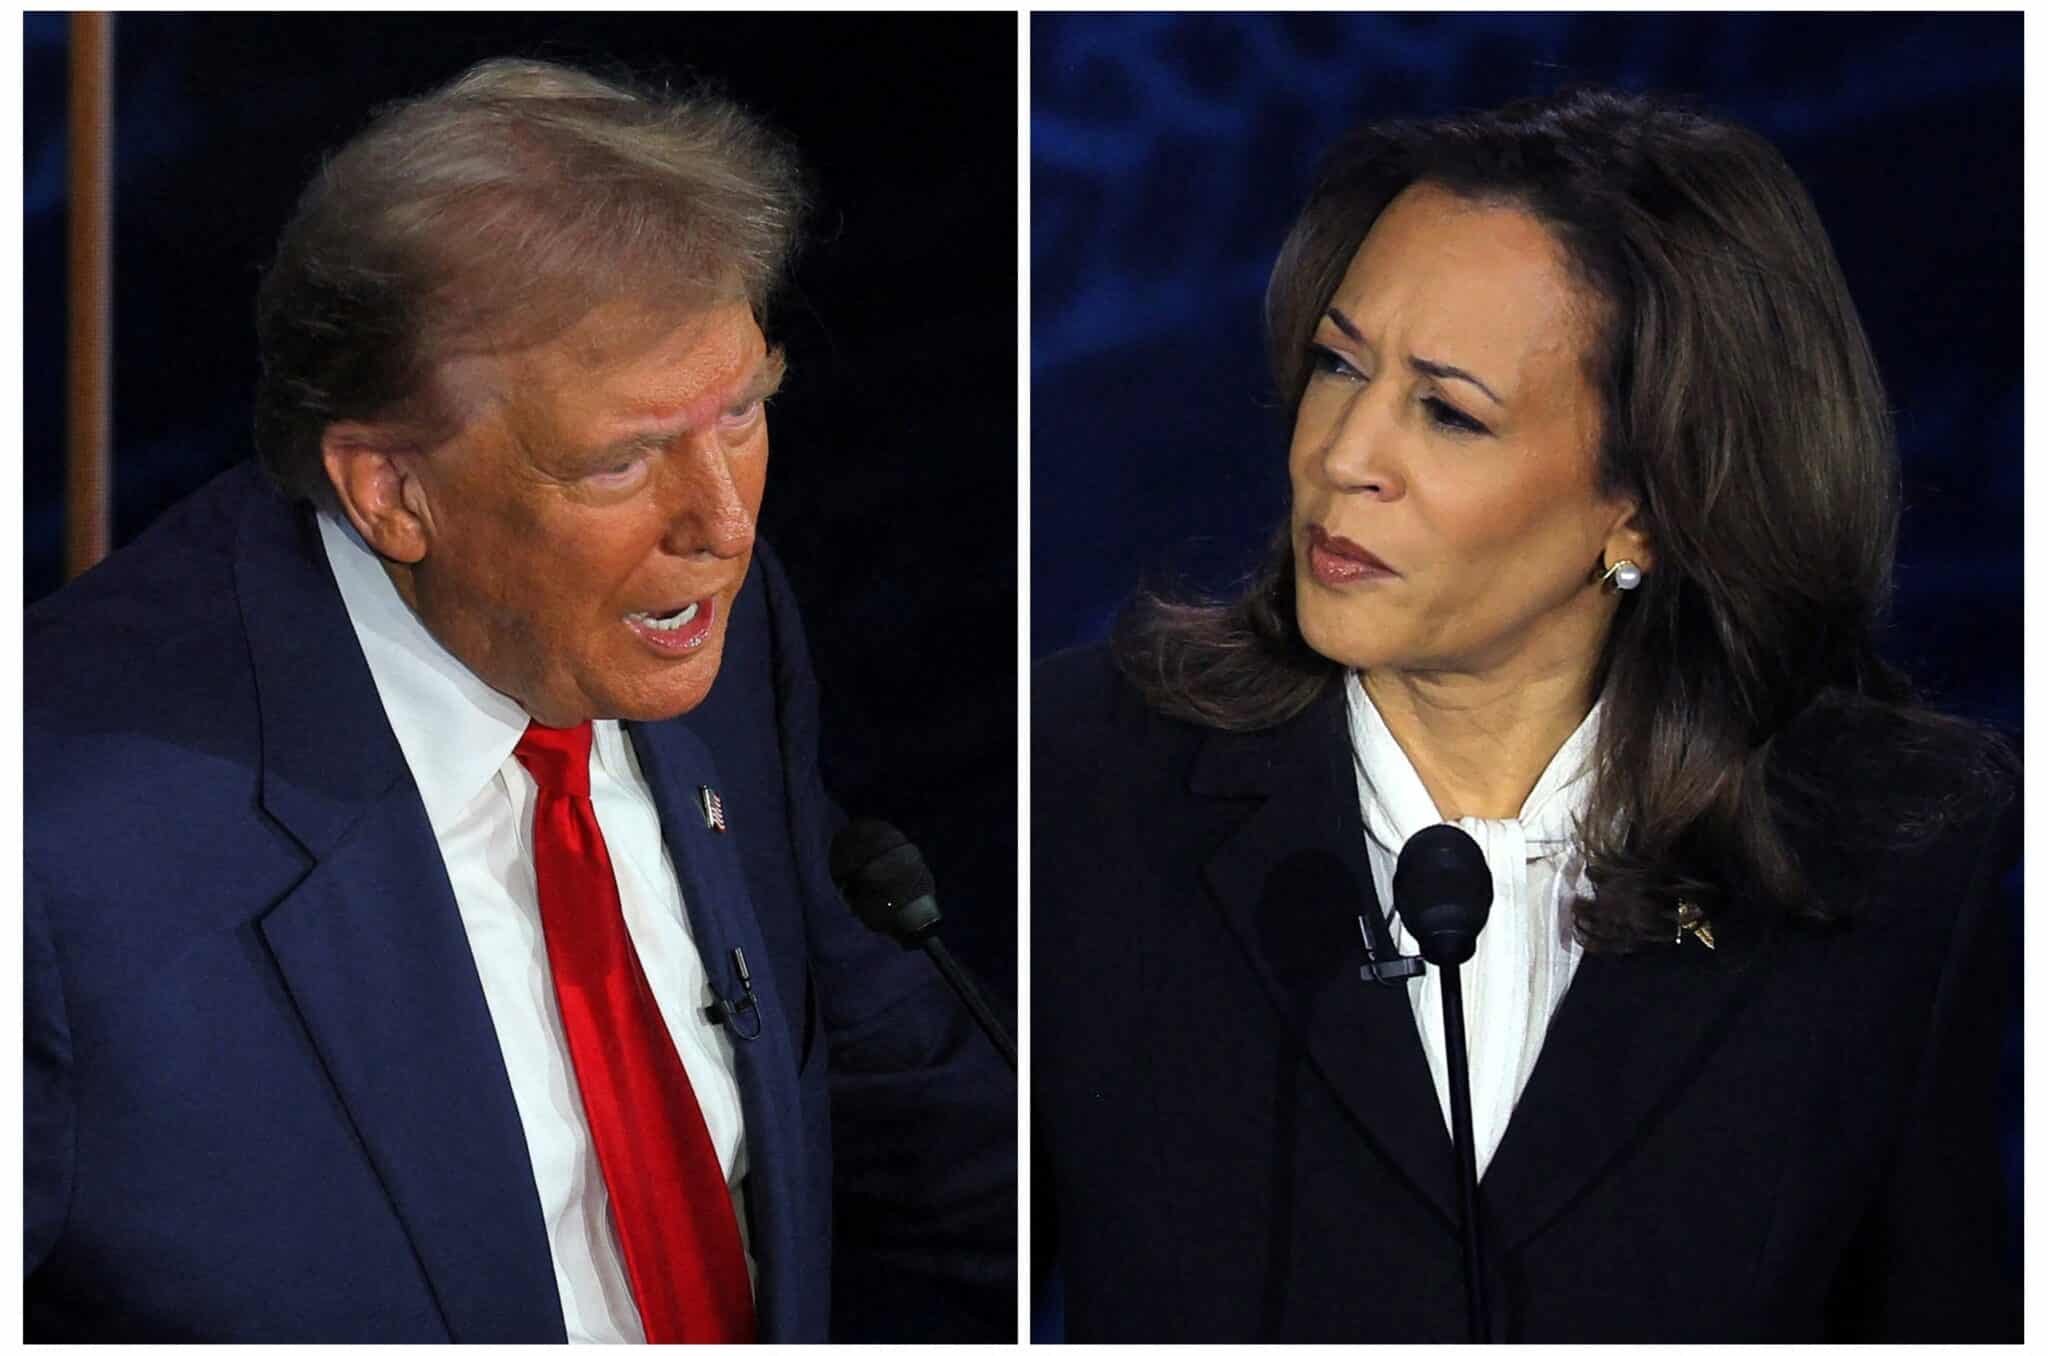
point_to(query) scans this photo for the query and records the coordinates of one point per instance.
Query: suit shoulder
(1911, 770)
(1082, 704)
(767, 624)
(137, 687)
(768, 565)
(1099, 751)
(1902, 807)
(158, 611)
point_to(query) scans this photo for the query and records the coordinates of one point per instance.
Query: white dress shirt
(1527, 952)
(457, 735)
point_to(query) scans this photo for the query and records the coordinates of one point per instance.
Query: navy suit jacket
(265, 1100)
(1789, 1137)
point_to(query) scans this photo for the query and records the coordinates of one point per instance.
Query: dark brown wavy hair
(1743, 412)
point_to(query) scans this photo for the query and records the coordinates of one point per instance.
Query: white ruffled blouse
(1527, 952)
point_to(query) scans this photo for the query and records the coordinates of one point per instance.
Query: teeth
(681, 619)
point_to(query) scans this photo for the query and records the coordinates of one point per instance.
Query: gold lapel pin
(1690, 919)
(714, 809)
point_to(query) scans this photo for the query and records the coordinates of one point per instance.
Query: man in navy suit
(302, 1062)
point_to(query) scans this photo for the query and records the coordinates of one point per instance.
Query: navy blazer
(265, 1100)
(1788, 1137)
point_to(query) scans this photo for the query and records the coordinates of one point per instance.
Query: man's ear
(371, 469)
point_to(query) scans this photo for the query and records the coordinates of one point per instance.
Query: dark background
(892, 496)
(1170, 153)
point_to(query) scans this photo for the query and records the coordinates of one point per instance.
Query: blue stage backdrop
(1169, 154)
(892, 498)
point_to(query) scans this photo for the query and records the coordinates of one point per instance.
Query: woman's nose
(1360, 449)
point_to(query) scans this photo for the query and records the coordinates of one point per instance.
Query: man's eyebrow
(768, 375)
(765, 380)
(1429, 367)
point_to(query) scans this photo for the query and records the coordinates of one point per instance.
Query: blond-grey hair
(492, 213)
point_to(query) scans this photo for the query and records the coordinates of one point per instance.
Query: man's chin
(679, 695)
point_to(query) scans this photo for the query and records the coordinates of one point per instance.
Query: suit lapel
(1293, 876)
(374, 956)
(1632, 1030)
(722, 919)
(1293, 879)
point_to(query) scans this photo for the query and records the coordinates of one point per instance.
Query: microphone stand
(971, 995)
(888, 885)
(1443, 891)
(1462, 1142)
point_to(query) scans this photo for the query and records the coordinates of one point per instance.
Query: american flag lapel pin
(714, 809)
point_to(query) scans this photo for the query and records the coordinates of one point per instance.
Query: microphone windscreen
(885, 879)
(1443, 892)
(860, 842)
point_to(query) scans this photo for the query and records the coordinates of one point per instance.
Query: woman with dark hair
(1594, 505)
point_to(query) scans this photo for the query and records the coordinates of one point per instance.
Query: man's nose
(708, 514)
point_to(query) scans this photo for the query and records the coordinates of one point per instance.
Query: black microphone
(1443, 892)
(884, 878)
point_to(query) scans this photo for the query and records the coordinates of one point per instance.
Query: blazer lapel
(1293, 880)
(374, 956)
(1631, 1030)
(387, 990)
(722, 920)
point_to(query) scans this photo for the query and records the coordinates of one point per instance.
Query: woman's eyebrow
(1429, 367)
(1444, 371)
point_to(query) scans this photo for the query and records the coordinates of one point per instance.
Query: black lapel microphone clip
(1383, 964)
(726, 1012)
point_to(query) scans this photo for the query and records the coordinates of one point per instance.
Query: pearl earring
(1624, 573)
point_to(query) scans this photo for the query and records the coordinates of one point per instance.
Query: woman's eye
(1446, 416)
(1328, 362)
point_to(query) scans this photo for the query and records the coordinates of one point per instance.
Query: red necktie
(668, 1194)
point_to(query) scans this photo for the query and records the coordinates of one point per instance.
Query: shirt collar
(1383, 765)
(455, 730)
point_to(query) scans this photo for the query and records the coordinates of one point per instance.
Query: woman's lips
(1339, 560)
